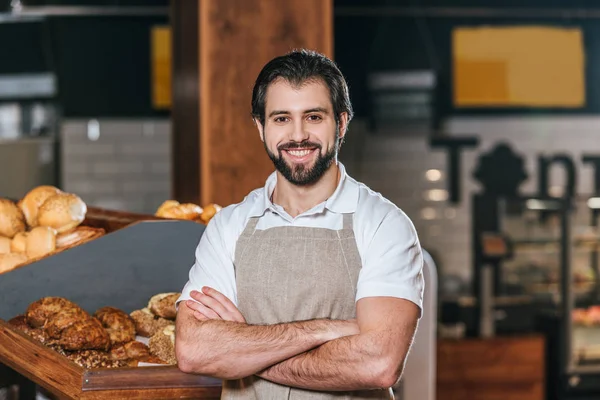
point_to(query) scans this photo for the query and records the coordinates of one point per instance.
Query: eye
(314, 118)
(281, 119)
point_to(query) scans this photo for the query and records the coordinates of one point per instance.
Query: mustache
(299, 145)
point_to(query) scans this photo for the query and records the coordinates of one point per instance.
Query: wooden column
(219, 48)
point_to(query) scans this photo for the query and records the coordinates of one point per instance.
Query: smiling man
(311, 288)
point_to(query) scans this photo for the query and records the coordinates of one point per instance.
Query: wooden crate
(104, 272)
(65, 379)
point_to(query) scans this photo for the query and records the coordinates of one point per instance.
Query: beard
(300, 174)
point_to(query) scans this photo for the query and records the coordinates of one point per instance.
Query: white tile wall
(395, 165)
(126, 168)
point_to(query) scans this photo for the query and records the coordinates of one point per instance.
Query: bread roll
(9, 261)
(12, 220)
(187, 211)
(33, 200)
(5, 245)
(165, 206)
(146, 323)
(163, 305)
(63, 212)
(162, 344)
(209, 212)
(19, 243)
(41, 241)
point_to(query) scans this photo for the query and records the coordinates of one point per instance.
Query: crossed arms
(214, 339)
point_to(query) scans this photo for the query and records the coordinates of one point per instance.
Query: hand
(211, 304)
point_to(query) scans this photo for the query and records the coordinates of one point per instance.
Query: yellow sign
(518, 67)
(161, 67)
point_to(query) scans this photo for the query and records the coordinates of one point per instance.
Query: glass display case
(545, 253)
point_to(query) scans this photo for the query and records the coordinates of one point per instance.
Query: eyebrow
(311, 110)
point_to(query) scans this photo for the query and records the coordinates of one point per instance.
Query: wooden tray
(65, 379)
(112, 220)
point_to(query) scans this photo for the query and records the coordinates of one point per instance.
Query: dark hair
(297, 67)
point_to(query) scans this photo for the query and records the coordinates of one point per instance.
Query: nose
(299, 132)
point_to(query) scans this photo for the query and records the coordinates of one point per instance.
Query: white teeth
(299, 153)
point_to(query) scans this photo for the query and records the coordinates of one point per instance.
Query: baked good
(33, 200)
(10, 261)
(12, 220)
(78, 235)
(162, 344)
(187, 211)
(88, 334)
(39, 312)
(63, 319)
(40, 241)
(18, 243)
(163, 305)
(63, 212)
(130, 350)
(119, 325)
(146, 323)
(20, 323)
(5, 245)
(209, 211)
(95, 359)
(165, 206)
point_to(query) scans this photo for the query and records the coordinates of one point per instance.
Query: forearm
(231, 350)
(349, 363)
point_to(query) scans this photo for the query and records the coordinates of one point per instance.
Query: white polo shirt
(392, 260)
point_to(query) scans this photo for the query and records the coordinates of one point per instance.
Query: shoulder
(232, 219)
(376, 215)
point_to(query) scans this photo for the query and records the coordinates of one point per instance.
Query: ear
(343, 124)
(261, 129)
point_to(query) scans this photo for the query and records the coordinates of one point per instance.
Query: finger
(215, 294)
(214, 305)
(224, 300)
(201, 308)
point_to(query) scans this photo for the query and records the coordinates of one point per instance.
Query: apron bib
(287, 274)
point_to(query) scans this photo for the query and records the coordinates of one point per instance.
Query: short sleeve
(213, 264)
(393, 261)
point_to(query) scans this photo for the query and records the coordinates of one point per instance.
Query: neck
(297, 199)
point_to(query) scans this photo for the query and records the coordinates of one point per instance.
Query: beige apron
(286, 274)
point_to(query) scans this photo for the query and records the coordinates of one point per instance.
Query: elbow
(387, 373)
(185, 363)
(200, 365)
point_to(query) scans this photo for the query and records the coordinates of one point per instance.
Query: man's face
(300, 132)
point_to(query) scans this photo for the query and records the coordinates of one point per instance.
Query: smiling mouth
(299, 152)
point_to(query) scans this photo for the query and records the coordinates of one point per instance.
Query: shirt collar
(343, 200)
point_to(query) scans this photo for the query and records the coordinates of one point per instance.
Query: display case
(544, 255)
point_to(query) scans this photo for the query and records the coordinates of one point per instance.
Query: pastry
(40, 311)
(209, 211)
(63, 319)
(40, 241)
(131, 350)
(163, 305)
(20, 323)
(19, 243)
(5, 245)
(12, 220)
(10, 261)
(119, 325)
(33, 200)
(146, 323)
(162, 344)
(188, 211)
(85, 335)
(95, 359)
(62, 212)
(78, 235)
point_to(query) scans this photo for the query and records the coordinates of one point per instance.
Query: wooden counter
(502, 368)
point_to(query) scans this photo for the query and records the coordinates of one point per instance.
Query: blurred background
(478, 118)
